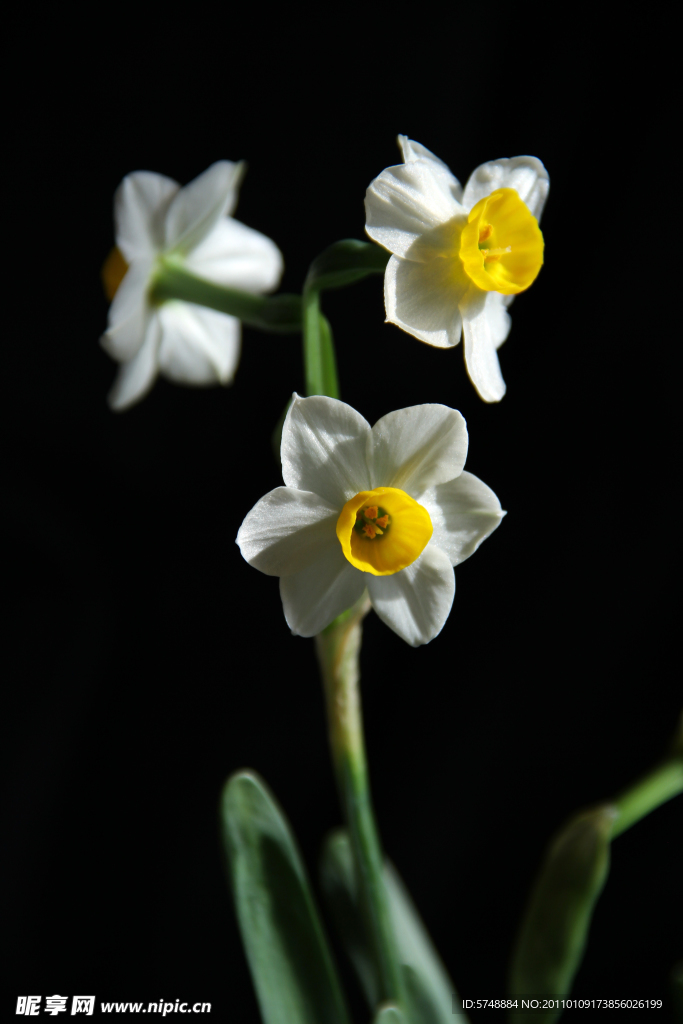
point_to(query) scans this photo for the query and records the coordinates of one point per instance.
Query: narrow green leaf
(290, 962)
(278, 313)
(344, 263)
(554, 929)
(340, 891)
(389, 1014)
(432, 998)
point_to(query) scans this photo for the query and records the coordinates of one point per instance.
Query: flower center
(383, 531)
(113, 272)
(501, 245)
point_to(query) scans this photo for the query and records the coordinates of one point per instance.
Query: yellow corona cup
(383, 531)
(501, 245)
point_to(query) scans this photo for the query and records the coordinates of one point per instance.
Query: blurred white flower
(459, 257)
(155, 218)
(386, 508)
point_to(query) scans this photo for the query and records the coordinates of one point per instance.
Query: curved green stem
(279, 313)
(659, 785)
(338, 649)
(341, 264)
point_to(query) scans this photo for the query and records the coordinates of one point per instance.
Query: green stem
(338, 649)
(320, 363)
(337, 266)
(280, 313)
(313, 362)
(661, 784)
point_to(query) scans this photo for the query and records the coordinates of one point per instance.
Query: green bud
(554, 929)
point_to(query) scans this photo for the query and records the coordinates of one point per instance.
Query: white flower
(459, 257)
(190, 226)
(386, 508)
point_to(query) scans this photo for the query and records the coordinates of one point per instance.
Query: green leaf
(340, 890)
(432, 998)
(344, 263)
(390, 1014)
(290, 962)
(278, 313)
(554, 929)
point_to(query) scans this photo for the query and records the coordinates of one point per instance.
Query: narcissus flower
(387, 508)
(157, 219)
(459, 257)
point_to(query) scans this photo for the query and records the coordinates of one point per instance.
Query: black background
(149, 661)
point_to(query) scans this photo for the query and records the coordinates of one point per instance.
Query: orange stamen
(493, 255)
(383, 522)
(369, 531)
(371, 512)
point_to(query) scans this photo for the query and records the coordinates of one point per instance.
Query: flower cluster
(459, 256)
(191, 227)
(387, 508)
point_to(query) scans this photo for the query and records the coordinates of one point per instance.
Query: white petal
(422, 299)
(198, 345)
(311, 599)
(236, 256)
(287, 530)
(418, 447)
(221, 337)
(136, 377)
(480, 348)
(416, 601)
(324, 445)
(526, 174)
(140, 205)
(407, 201)
(412, 151)
(464, 512)
(129, 314)
(197, 208)
(498, 316)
